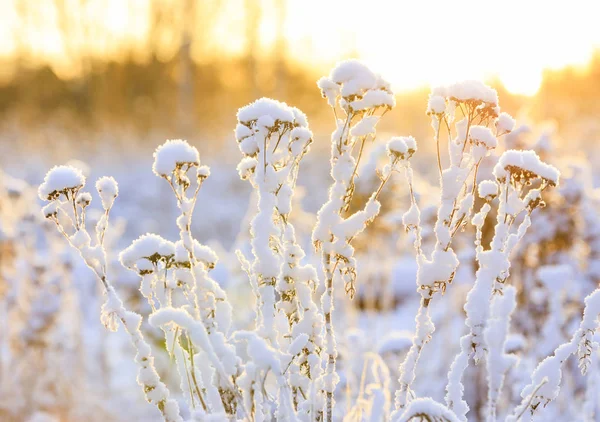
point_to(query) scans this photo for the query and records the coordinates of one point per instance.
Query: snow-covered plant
(67, 207)
(470, 140)
(41, 348)
(273, 138)
(285, 365)
(520, 180)
(363, 97)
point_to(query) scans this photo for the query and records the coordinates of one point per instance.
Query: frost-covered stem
(197, 334)
(206, 297)
(330, 380)
(456, 203)
(184, 223)
(187, 375)
(493, 266)
(423, 333)
(470, 117)
(478, 221)
(342, 232)
(437, 142)
(526, 404)
(75, 214)
(307, 366)
(545, 380)
(155, 390)
(267, 261)
(297, 304)
(455, 388)
(416, 226)
(590, 406)
(341, 155)
(498, 362)
(291, 250)
(103, 229)
(385, 178)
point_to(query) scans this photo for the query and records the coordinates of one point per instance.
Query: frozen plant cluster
(285, 365)
(50, 367)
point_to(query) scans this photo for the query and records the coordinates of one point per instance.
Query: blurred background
(76, 73)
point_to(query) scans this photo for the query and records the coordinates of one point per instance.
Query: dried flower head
(108, 189)
(83, 199)
(61, 180)
(401, 147)
(174, 155)
(487, 190)
(523, 167)
(149, 246)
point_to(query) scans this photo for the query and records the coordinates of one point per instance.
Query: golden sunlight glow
(418, 43)
(413, 43)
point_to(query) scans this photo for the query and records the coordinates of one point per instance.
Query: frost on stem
(488, 305)
(180, 281)
(498, 361)
(515, 172)
(545, 380)
(363, 98)
(273, 138)
(67, 209)
(469, 141)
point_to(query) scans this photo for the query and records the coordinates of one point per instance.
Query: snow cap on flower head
(172, 155)
(60, 180)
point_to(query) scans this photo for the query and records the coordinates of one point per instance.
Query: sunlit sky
(411, 43)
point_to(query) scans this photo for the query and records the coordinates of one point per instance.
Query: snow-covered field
(376, 279)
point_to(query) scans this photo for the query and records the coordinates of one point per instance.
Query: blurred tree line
(177, 78)
(167, 87)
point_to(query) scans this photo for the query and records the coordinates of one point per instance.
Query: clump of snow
(83, 199)
(374, 98)
(471, 90)
(51, 209)
(59, 180)
(505, 123)
(108, 189)
(353, 76)
(246, 167)
(300, 118)
(427, 409)
(402, 147)
(148, 246)
(278, 111)
(242, 132)
(365, 127)
(525, 166)
(203, 172)
(487, 189)
(411, 218)
(173, 155)
(329, 90)
(359, 87)
(201, 253)
(436, 104)
(482, 135)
